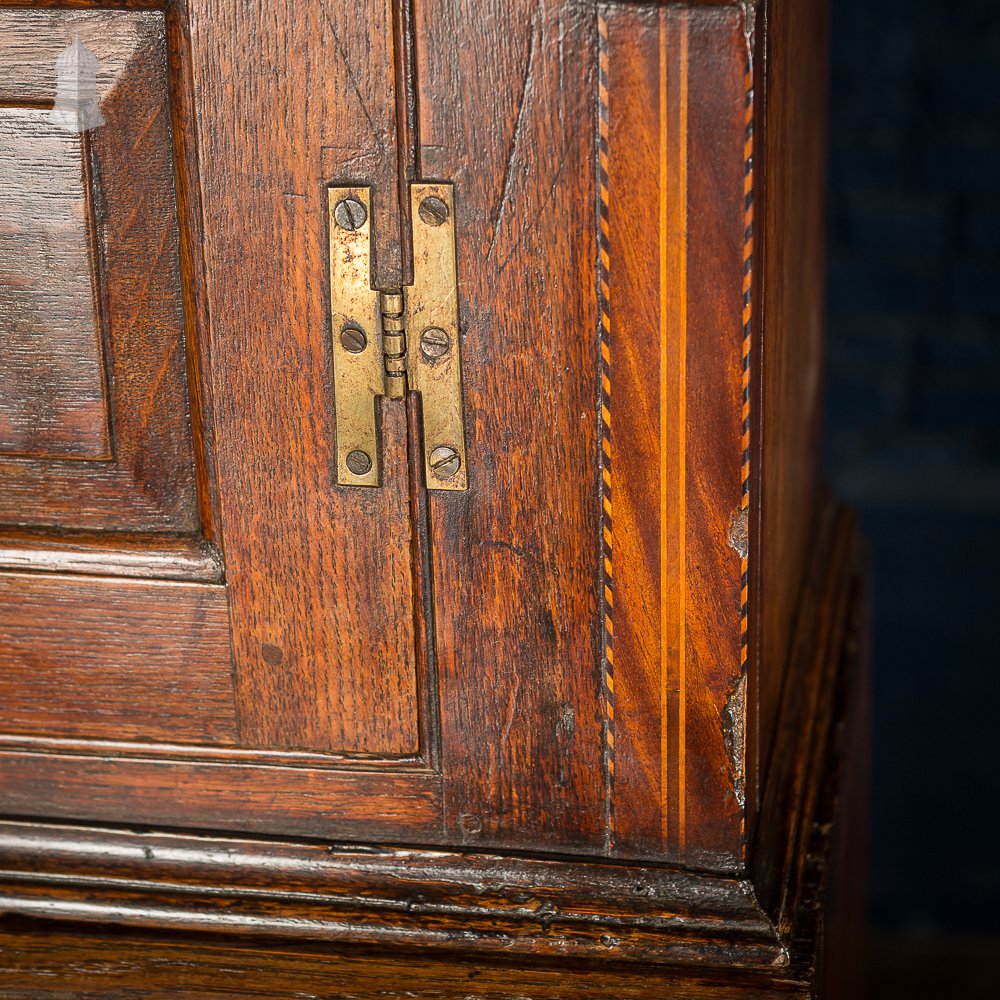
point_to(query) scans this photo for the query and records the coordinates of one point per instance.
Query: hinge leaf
(356, 326)
(434, 355)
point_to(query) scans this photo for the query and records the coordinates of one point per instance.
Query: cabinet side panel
(676, 186)
(791, 303)
(507, 98)
(320, 575)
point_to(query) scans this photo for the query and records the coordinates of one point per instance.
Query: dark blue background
(913, 433)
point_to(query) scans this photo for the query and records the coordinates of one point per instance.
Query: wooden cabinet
(579, 634)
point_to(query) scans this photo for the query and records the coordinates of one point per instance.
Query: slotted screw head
(359, 462)
(445, 462)
(434, 343)
(433, 211)
(350, 214)
(353, 339)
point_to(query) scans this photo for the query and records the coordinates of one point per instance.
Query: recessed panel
(95, 407)
(115, 659)
(52, 389)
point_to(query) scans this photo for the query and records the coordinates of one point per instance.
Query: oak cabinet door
(200, 625)
(591, 587)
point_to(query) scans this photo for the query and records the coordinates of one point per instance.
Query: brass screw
(359, 462)
(350, 214)
(353, 339)
(434, 343)
(433, 211)
(445, 462)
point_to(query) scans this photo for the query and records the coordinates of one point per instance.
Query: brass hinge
(386, 343)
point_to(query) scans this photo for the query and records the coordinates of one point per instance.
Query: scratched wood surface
(575, 695)
(147, 482)
(506, 98)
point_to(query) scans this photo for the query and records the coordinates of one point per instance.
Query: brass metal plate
(358, 377)
(432, 305)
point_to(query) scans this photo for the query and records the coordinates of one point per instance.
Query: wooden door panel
(319, 668)
(108, 341)
(506, 95)
(100, 660)
(600, 167)
(54, 401)
(324, 609)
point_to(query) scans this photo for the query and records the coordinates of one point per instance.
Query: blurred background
(913, 441)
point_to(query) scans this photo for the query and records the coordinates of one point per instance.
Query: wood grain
(320, 576)
(715, 680)
(675, 165)
(647, 256)
(123, 660)
(455, 639)
(506, 99)
(54, 399)
(429, 669)
(148, 483)
(792, 239)
(39, 962)
(241, 796)
(508, 907)
(829, 607)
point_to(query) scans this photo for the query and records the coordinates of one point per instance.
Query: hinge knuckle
(392, 303)
(394, 344)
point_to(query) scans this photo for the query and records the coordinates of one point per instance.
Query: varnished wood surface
(450, 652)
(506, 99)
(54, 401)
(792, 67)
(239, 791)
(75, 661)
(440, 899)
(236, 792)
(504, 905)
(44, 963)
(676, 167)
(320, 576)
(146, 481)
(825, 644)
